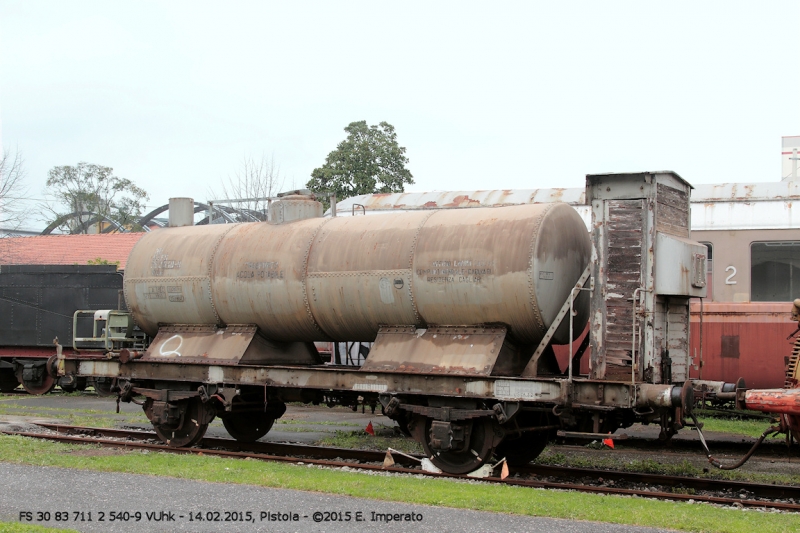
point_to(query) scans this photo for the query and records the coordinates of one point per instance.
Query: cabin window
(774, 271)
(709, 269)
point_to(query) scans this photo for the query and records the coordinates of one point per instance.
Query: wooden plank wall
(672, 211)
(624, 276)
(678, 341)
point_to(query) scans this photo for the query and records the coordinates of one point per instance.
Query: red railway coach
(753, 237)
(753, 240)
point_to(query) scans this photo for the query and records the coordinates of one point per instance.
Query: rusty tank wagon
(463, 307)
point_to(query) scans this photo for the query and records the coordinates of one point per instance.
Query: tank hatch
(294, 205)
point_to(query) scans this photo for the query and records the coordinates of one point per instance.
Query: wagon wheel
(248, 427)
(43, 386)
(189, 430)
(479, 450)
(103, 386)
(521, 449)
(8, 381)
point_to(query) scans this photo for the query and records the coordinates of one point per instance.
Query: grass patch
(746, 423)
(98, 421)
(742, 414)
(75, 417)
(295, 429)
(385, 437)
(73, 394)
(66, 410)
(476, 496)
(651, 466)
(16, 527)
(316, 423)
(749, 428)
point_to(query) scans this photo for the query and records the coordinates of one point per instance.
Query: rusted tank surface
(514, 265)
(171, 277)
(746, 340)
(343, 278)
(359, 274)
(260, 276)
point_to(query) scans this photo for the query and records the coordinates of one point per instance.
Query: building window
(774, 271)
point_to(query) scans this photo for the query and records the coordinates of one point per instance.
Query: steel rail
(761, 489)
(306, 456)
(771, 448)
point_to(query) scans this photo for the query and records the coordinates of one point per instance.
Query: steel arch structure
(226, 213)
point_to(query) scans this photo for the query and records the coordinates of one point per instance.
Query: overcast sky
(483, 95)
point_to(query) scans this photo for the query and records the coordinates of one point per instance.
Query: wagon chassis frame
(560, 393)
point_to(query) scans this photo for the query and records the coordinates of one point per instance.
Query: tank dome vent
(294, 205)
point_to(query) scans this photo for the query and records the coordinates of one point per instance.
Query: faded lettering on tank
(259, 270)
(387, 295)
(175, 293)
(156, 292)
(456, 271)
(161, 262)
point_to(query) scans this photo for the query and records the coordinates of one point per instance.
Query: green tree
(80, 195)
(369, 160)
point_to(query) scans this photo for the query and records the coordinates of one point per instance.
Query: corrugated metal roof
(721, 192)
(714, 206)
(746, 192)
(455, 199)
(67, 249)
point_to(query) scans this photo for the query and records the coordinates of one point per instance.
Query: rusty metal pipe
(783, 401)
(654, 396)
(657, 396)
(713, 386)
(726, 396)
(126, 355)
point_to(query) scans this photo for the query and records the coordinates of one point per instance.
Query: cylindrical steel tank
(342, 278)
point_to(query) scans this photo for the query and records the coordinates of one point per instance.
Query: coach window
(774, 271)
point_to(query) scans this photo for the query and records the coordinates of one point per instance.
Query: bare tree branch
(12, 190)
(252, 184)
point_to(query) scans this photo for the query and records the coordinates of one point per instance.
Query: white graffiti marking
(167, 352)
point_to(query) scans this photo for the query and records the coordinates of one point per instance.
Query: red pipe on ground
(784, 401)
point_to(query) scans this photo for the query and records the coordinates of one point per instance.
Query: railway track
(677, 488)
(771, 447)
